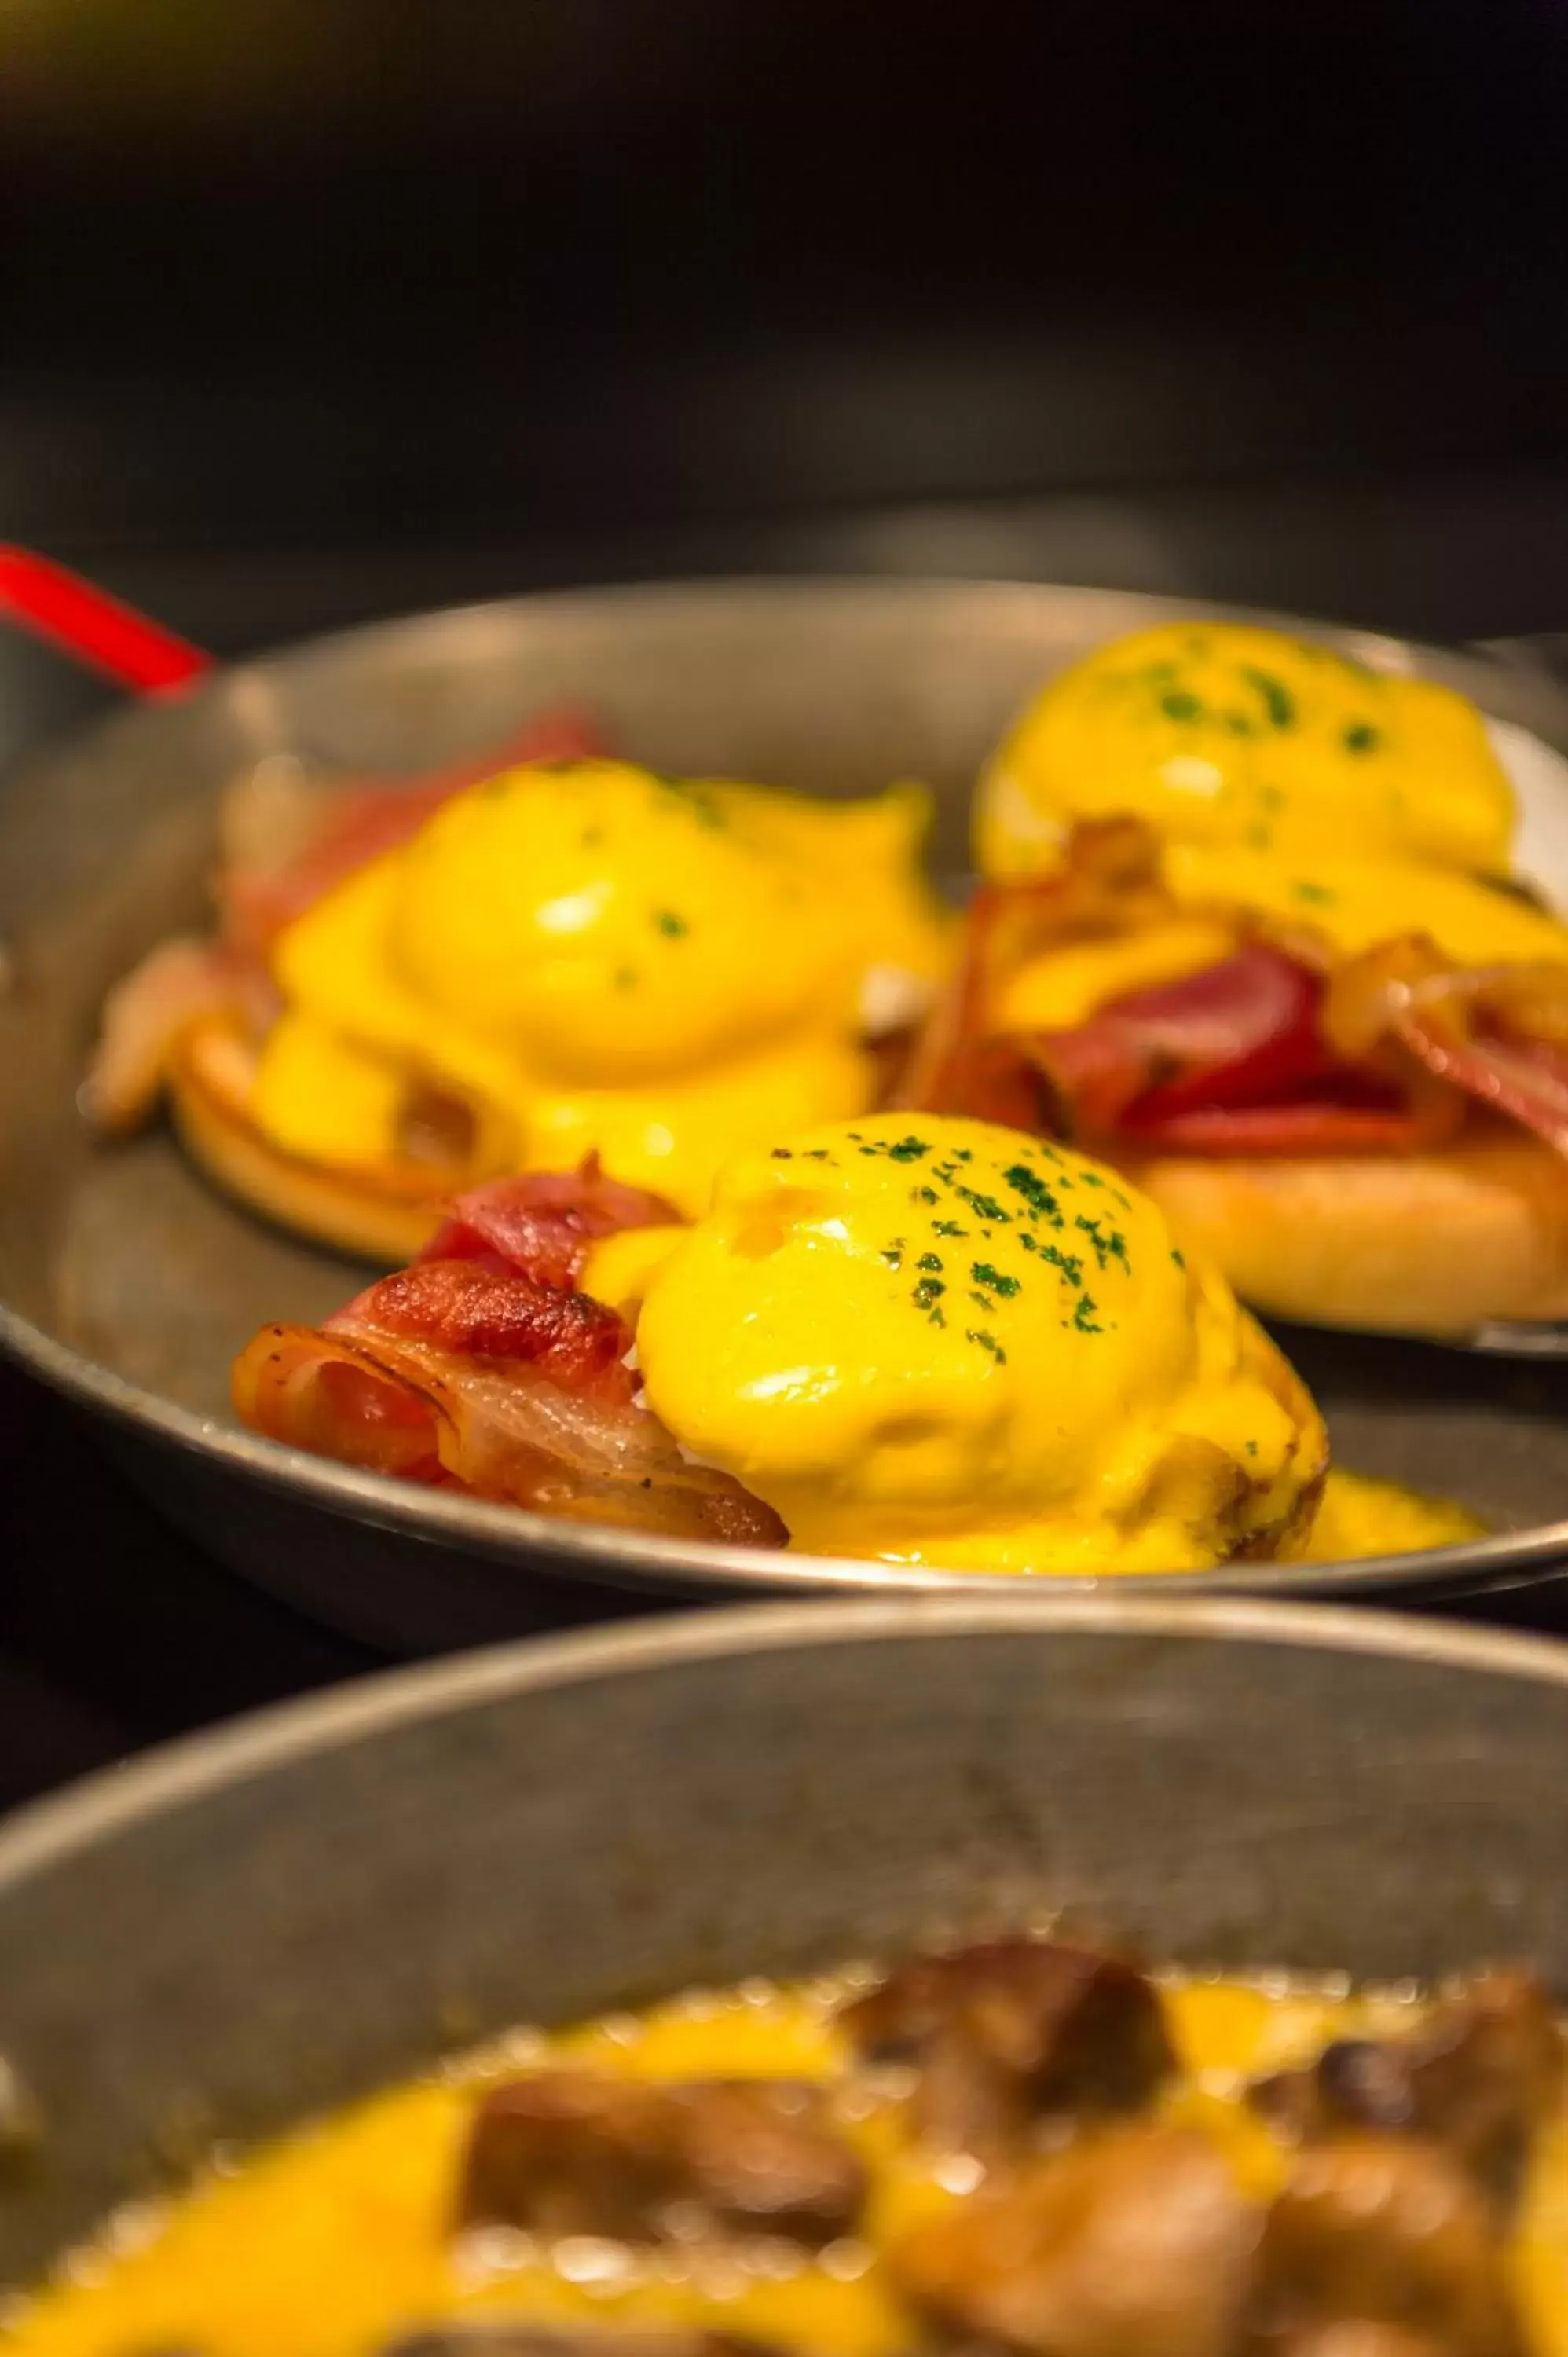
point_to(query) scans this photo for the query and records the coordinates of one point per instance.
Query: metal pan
(128, 1283)
(280, 1916)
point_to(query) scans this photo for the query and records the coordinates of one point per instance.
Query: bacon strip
(1275, 1049)
(1480, 1031)
(541, 1225)
(1232, 1061)
(1108, 884)
(500, 1382)
(288, 845)
(177, 986)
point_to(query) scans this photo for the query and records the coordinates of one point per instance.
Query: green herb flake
(1068, 1264)
(987, 1343)
(674, 928)
(908, 1150)
(984, 1207)
(930, 1290)
(983, 1273)
(1039, 1198)
(1278, 701)
(929, 1260)
(1250, 1447)
(1319, 894)
(946, 1228)
(1176, 704)
(1107, 1248)
(782, 1153)
(924, 1195)
(893, 1256)
(1083, 1316)
(1360, 736)
(1179, 1258)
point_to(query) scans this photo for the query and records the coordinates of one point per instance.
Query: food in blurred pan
(547, 955)
(1026, 2145)
(1248, 928)
(929, 1342)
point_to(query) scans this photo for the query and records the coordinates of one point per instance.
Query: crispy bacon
(288, 840)
(1232, 1061)
(542, 1224)
(1108, 884)
(146, 1015)
(1277, 1048)
(475, 1374)
(1496, 1034)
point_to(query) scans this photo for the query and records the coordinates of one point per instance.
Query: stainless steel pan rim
(617, 1558)
(49, 1833)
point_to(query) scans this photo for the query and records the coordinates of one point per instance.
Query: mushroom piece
(1134, 2243)
(520, 2339)
(1013, 2035)
(571, 2152)
(1479, 2076)
(1387, 2233)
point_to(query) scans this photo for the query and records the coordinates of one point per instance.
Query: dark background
(310, 312)
(1267, 299)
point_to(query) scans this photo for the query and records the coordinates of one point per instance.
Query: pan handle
(94, 628)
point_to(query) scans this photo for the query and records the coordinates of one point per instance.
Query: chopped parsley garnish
(929, 1260)
(1278, 701)
(1176, 704)
(908, 1150)
(1069, 1263)
(1083, 1316)
(672, 927)
(924, 1195)
(930, 1290)
(987, 1343)
(1360, 736)
(984, 1207)
(782, 1153)
(893, 1256)
(1179, 1258)
(1039, 1198)
(1318, 893)
(946, 1228)
(1107, 1248)
(983, 1273)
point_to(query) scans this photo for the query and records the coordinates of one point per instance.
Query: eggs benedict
(564, 959)
(1248, 931)
(935, 1343)
(940, 1342)
(1222, 733)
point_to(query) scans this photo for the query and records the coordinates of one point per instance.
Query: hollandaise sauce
(760, 2166)
(937, 1342)
(587, 957)
(1221, 733)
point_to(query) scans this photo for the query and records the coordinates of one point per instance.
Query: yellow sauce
(1219, 733)
(336, 2240)
(595, 959)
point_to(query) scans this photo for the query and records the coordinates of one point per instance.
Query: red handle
(96, 628)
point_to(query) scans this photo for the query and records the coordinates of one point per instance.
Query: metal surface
(129, 1282)
(244, 1930)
